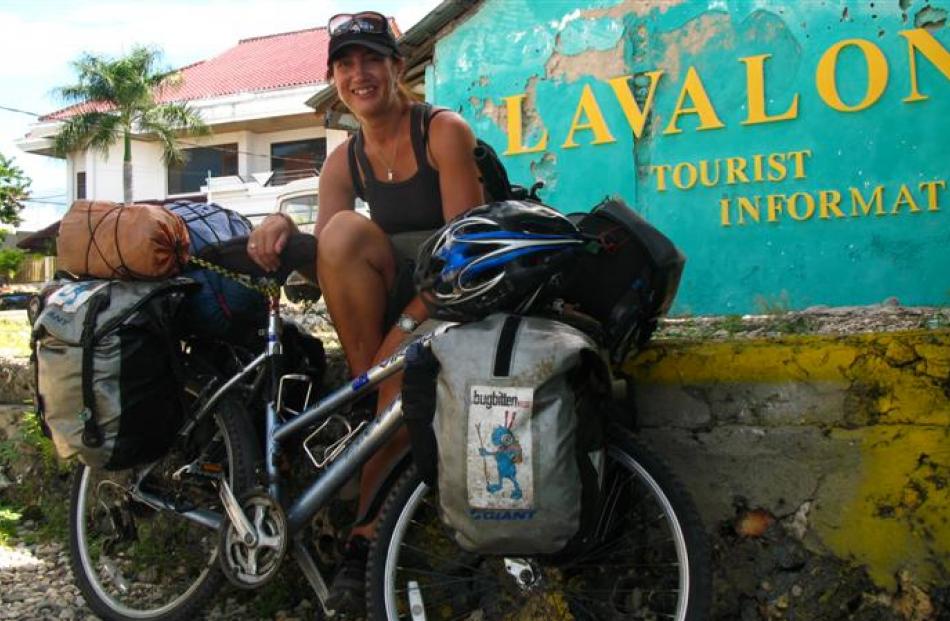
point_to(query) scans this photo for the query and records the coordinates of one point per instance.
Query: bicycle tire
(151, 552)
(413, 551)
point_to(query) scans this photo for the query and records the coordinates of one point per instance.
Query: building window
(297, 159)
(80, 185)
(199, 164)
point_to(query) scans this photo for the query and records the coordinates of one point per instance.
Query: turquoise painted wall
(544, 53)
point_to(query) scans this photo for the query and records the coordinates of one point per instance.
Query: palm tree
(116, 98)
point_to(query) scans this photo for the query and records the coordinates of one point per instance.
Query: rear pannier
(108, 381)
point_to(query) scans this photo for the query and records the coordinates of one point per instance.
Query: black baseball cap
(369, 29)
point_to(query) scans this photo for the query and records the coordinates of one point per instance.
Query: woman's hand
(266, 242)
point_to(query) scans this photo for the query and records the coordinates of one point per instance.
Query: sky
(40, 38)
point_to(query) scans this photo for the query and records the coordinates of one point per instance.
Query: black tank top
(401, 206)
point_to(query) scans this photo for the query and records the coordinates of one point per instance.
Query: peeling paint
(532, 120)
(693, 38)
(634, 7)
(930, 18)
(545, 170)
(488, 109)
(599, 64)
(589, 34)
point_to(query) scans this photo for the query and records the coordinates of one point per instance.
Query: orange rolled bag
(113, 241)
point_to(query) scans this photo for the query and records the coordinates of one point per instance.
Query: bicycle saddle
(299, 253)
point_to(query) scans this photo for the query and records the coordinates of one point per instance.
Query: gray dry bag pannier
(507, 425)
(108, 386)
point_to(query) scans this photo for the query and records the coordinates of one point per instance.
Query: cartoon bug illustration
(507, 456)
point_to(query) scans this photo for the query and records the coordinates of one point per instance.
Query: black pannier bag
(108, 380)
(629, 277)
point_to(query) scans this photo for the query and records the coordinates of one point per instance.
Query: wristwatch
(407, 323)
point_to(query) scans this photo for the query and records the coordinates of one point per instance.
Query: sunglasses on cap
(369, 22)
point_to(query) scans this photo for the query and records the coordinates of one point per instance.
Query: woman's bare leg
(356, 268)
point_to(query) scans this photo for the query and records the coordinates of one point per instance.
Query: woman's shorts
(405, 248)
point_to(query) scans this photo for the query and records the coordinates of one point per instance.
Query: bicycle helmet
(495, 258)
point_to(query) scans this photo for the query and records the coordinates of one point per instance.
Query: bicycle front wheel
(133, 562)
(649, 559)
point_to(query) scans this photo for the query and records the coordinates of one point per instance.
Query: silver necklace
(392, 160)
(389, 165)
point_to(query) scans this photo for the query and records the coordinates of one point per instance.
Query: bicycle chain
(267, 286)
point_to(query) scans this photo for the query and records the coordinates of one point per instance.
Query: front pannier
(514, 433)
(108, 385)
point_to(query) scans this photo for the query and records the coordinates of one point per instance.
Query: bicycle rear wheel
(649, 558)
(134, 562)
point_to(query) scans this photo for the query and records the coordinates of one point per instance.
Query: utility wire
(8, 109)
(43, 198)
(41, 202)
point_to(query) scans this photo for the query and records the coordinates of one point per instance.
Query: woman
(416, 173)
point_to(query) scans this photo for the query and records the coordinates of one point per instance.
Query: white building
(266, 142)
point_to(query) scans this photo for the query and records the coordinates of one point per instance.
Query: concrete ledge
(846, 437)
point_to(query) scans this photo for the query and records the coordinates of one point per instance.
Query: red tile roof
(257, 64)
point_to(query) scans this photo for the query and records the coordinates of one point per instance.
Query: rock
(754, 523)
(797, 524)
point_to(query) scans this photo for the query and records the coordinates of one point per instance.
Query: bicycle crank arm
(241, 524)
(204, 517)
(311, 572)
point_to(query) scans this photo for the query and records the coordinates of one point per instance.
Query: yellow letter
(660, 179)
(704, 173)
(757, 166)
(793, 206)
(588, 105)
(877, 197)
(775, 206)
(702, 107)
(931, 187)
(750, 207)
(904, 197)
(825, 78)
(515, 146)
(799, 157)
(678, 177)
(777, 163)
(635, 116)
(920, 39)
(735, 169)
(830, 199)
(724, 211)
(755, 93)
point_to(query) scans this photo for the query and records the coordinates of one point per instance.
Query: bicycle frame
(277, 433)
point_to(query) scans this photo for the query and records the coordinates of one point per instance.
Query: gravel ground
(36, 584)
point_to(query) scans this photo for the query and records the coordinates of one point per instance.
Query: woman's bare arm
(336, 187)
(451, 142)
